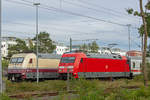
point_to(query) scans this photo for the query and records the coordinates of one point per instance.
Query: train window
(20, 60)
(128, 61)
(30, 61)
(133, 64)
(140, 65)
(81, 60)
(67, 60)
(13, 60)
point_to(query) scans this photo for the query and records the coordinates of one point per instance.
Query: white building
(106, 50)
(6, 42)
(9, 41)
(118, 51)
(60, 48)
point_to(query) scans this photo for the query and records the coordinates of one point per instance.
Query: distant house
(134, 53)
(118, 51)
(29, 41)
(60, 48)
(7, 42)
(106, 50)
(10, 41)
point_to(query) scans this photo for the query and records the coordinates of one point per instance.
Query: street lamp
(1, 80)
(37, 65)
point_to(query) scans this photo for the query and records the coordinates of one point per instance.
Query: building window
(140, 65)
(133, 64)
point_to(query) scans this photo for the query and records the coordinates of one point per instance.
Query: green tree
(147, 18)
(84, 47)
(144, 32)
(5, 63)
(93, 47)
(45, 43)
(20, 47)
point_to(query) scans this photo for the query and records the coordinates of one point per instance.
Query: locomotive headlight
(23, 73)
(71, 70)
(61, 67)
(60, 70)
(70, 66)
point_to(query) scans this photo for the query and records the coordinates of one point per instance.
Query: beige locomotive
(24, 66)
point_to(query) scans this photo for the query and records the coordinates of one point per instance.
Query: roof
(49, 56)
(134, 51)
(106, 56)
(22, 54)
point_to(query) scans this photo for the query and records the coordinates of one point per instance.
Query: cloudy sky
(104, 20)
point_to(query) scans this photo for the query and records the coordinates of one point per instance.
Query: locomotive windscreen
(17, 60)
(67, 59)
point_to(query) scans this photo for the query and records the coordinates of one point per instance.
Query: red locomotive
(94, 65)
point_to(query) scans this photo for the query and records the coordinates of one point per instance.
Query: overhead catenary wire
(64, 11)
(71, 13)
(116, 14)
(74, 31)
(50, 8)
(57, 10)
(101, 7)
(77, 33)
(82, 6)
(75, 14)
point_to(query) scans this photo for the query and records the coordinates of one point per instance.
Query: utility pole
(37, 42)
(1, 79)
(68, 85)
(129, 37)
(70, 44)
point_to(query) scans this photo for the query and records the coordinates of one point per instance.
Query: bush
(5, 63)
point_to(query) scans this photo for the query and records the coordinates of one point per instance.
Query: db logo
(106, 66)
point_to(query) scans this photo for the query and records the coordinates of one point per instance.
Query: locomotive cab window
(133, 64)
(20, 60)
(17, 60)
(13, 60)
(67, 60)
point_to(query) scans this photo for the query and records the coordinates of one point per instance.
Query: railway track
(42, 94)
(38, 94)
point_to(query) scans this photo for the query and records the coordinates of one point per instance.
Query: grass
(45, 86)
(86, 89)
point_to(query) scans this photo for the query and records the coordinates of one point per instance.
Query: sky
(103, 20)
